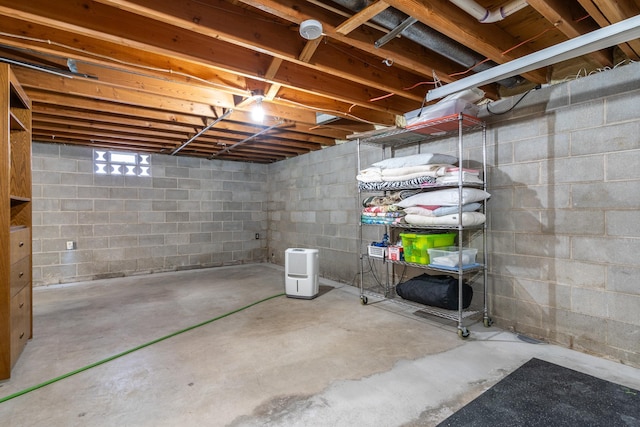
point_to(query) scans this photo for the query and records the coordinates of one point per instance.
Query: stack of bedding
(452, 174)
(417, 207)
(441, 207)
(413, 171)
(383, 209)
(382, 215)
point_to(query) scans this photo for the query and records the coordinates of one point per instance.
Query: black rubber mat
(540, 393)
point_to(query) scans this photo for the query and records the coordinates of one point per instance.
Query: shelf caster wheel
(463, 332)
(364, 300)
(488, 322)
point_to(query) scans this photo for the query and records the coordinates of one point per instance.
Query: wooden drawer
(20, 243)
(20, 322)
(20, 275)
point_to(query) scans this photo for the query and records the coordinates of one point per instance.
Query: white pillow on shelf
(416, 160)
(447, 197)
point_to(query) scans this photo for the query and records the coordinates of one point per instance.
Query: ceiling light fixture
(257, 112)
(310, 29)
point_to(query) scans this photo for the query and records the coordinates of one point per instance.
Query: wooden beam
(117, 111)
(609, 12)
(238, 27)
(96, 128)
(141, 34)
(96, 117)
(447, 19)
(94, 133)
(560, 14)
(361, 17)
(404, 54)
(93, 89)
(139, 82)
(309, 49)
(363, 73)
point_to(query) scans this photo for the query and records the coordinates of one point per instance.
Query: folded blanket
(467, 178)
(379, 220)
(389, 199)
(370, 175)
(383, 214)
(397, 185)
(425, 170)
(374, 174)
(382, 209)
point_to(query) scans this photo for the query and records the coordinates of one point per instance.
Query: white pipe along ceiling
(391, 18)
(487, 16)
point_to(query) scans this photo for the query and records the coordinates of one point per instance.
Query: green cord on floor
(124, 353)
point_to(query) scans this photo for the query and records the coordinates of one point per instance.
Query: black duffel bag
(436, 291)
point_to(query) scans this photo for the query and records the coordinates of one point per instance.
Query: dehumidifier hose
(124, 353)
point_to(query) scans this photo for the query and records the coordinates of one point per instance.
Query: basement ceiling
(182, 77)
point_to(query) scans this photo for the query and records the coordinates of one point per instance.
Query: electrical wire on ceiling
(420, 84)
(389, 95)
(373, 65)
(324, 110)
(583, 72)
(494, 113)
(169, 71)
(109, 58)
(404, 88)
(474, 66)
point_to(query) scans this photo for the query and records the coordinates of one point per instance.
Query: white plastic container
(301, 273)
(450, 256)
(441, 109)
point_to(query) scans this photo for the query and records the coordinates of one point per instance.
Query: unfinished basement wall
(191, 213)
(564, 214)
(312, 201)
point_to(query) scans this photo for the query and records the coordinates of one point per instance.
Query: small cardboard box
(394, 253)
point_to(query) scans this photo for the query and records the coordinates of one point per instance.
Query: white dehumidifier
(301, 273)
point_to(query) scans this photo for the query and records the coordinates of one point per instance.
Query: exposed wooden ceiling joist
(151, 74)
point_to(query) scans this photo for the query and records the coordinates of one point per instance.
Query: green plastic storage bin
(416, 246)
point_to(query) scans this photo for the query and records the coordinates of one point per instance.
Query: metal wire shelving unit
(429, 131)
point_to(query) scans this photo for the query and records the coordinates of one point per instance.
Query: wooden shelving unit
(15, 221)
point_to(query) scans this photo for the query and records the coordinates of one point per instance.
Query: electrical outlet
(71, 245)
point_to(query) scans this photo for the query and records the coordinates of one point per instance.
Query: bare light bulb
(257, 112)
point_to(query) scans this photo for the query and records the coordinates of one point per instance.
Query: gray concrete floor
(329, 361)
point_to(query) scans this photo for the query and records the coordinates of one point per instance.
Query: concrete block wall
(312, 202)
(563, 238)
(190, 213)
(563, 233)
(564, 212)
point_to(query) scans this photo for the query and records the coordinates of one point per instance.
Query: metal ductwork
(425, 36)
